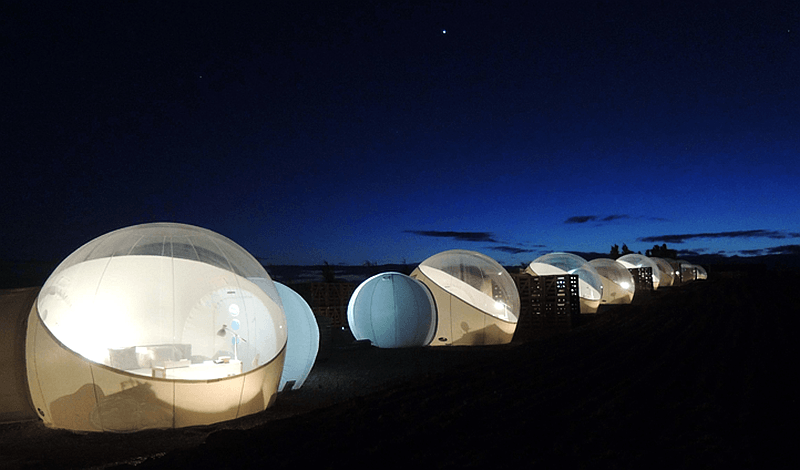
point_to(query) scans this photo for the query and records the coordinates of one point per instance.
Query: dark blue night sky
(390, 131)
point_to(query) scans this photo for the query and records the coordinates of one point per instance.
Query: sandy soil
(696, 377)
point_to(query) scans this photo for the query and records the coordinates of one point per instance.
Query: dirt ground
(699, 376)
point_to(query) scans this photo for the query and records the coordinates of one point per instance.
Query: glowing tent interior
(635, 260)
(618, 283)
(392, 310)
(476, 299)
(153, 326)
(688, 271)
(302, 344)
(590, 287)
(700, 272)
(665, 270)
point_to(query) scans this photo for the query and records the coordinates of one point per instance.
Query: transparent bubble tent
(666, 271)
(392, 310)
(155, 326)
(618, 283)
(688, 273)
(701, 273)
(590, 286)
(477, 302)
(635, 260)
(302, 345)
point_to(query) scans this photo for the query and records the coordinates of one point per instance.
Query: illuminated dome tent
(392, 310)
(635, 260)
(666, 272)
(590, 286)
(701, 272)
(155, 326)
(302, 345)
(687, 271)
(477, 302)
(618, 283)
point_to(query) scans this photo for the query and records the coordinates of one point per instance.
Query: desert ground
(698, 376)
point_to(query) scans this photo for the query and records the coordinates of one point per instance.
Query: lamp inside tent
(590, 286)
(618, 282)
(153, 326)
(476, 299)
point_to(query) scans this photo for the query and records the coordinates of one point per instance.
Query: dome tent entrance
(140, 327)
(476, 299)
(392, 310)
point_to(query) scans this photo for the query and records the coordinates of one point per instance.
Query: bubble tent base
(71, 392)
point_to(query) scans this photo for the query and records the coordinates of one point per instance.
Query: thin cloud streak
(613, 217)
(784, 250)
(460, 236)
(773, 234)
(512, 249)
(485, 237)
(580, 219)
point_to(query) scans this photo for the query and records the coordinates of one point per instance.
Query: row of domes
(157, 316)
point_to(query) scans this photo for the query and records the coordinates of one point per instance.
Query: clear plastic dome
(676, 269)
(688, 272)
(155, 295)
(623, 287)
(666, 272)
(590, 286)
(701, 272)
(635, 260)
(477, 280)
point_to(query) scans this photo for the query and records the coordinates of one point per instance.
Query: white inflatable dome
(635, 260)
(155, 325)
(618, 283)
(590, 286)
(302, 345)
(476, 299)
(392, 310)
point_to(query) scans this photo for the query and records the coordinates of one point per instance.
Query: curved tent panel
(618, 282)
(392, 310)
(15, 306)
(635, 260)
(701, 272)
(151, 303)
(688, 273)
(590, 286)
(666, 274)
(302, 346)
(476, 299)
